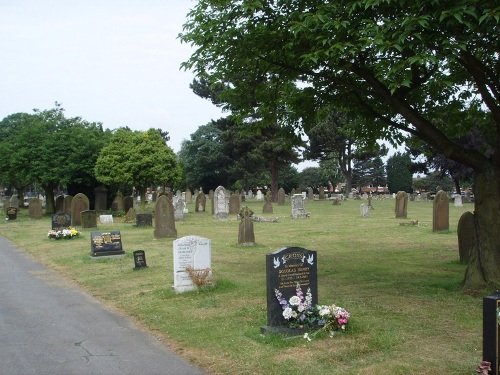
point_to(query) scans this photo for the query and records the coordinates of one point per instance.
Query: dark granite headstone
(88, 219)
(144, 220)
(139, 260)
(128, 203)
(61, 221)
(466, 236)
(491, 334)
(284, 269)
(101, 198)
(12, 213)
(106, 244)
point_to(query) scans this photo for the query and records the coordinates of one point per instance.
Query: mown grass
(400, 283)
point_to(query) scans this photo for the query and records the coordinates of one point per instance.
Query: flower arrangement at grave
(200, 277)
(66, 233)
(299, 312)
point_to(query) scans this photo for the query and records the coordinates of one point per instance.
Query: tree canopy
(410, 67)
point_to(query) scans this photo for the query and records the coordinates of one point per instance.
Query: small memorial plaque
(139, 260)
(106, 244)
(61, 221)
(106, 219)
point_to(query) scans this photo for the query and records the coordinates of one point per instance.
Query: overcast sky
(110, 61)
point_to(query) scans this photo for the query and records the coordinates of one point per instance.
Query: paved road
(50, 327)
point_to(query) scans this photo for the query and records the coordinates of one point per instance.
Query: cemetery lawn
(401, 285)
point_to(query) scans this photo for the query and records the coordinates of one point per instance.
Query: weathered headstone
(200, 202)
(128, 203)
(139, 260)
(281, 197)
(188, 196)
(363, 210)
(321, 194)
(221, 204)
(234, 204)
(246, 235)
(259, 196)
(401, 204)
(35, 208)
(285, 268)
(179, 208)
(11, 213)
(60, 203)
(458, 200)
(14, 202)
(466, 236)
(68, 200)
(310, 194)
(101, 198)
(268, 206)
(61, 221)
(79, 203)
(88, 219)
(144, 220)
(441, 212)
(130, 216)
(118, 202)
(106, 244)
(106, 219)
(164, 218)
(298, 210)
(192, 258)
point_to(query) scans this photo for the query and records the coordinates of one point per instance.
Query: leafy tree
(399, 64)
(137, 158)
(399, 177)
(370, 170)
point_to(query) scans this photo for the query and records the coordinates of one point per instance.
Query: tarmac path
(50, 327)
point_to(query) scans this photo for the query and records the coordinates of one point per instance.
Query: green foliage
(399, 177)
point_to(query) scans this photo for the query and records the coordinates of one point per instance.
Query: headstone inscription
(441, 212)
(35, 208)
(466, 236)
(401, 204)
(106, 244)
(61, 221)
(79, 203)
(221, 204)
(144, 220)
(88, 219)
(164, 218)
(140, 260)
(491, 331)
(285, 268)
(192, 258)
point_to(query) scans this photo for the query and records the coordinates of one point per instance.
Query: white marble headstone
(190, 251)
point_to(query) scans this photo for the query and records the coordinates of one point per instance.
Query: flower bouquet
(67, 233)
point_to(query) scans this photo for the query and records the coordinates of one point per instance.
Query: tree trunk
(484, 268)
(142, 194)
(274, 182)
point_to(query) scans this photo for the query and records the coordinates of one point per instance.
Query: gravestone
(60, 203)
(106, 244)
(194, 253)
(88, 219)
(458, 200)
(179, 208)
(321, 194)
(491, 332)
(285, 268)
(441, 212)
(200, 202)
(188, 196)
(35, 208)
(60, 221)
(310, 194)
(79, 203)
(128, 203)
(293, 192)
(164, 218)
(363, 210)
(281, 197)
(68, 200)
(106, 219)
(246, 235)
(268, 206)
(259, 196)
(11, 213)
(234, 204)
(139, 260)
(298, 210)
(401, 204)
(466, 236)
(101, 198)
(118, 202)
(14, 202)
(144, 220)
(221, 204)
(130, 216)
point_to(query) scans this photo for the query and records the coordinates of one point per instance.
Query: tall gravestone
(441, 212)
(128, 203)
(246, 234)
(191, 253)
(285, 268)
(458, 200)
(60, 204)
(221, 204)
(466, 236)
(79, 203)
(164, 218)
(14, 202)
(298, 210)
(179, 207)
(234, 204)
(268, 206)
(188, 196)
(118, 202)
(281, 197)
(321, 193)
(35, 208)
(101, 198)
(68, 199)
(200, 202)
(401, 204)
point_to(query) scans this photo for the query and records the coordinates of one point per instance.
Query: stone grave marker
(234, 204)
(321, 194)
(458, 200)
(441, 212)
(130, 216)
(179, 208)
(188, 196)
(14, 202)
(310, 194)
(144, 220)
(88, 219)
(106, 219)
(200, 202)
(11, 213)
(79, 203)
(128, 203)
(164, 218)
(246, 235)
(68, 200)
(268, 206)
(60, 203)
(363, 210)
(491, 332)
(401, 204)
(281, 197)
(285, 268)
(221, 204)
(191, 253)
(466, 236)
(139, 260)
(106, 244)
(35, 208)
(101, 198)
(60, 221)
(259, 195)
(118, 202)
(298, 210)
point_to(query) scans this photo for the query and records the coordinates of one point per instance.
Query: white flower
(301, 308)
(306, 336)
(287, 313)
(294, 301)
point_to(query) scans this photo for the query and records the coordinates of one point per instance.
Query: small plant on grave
(200, 277)
(299, 312)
